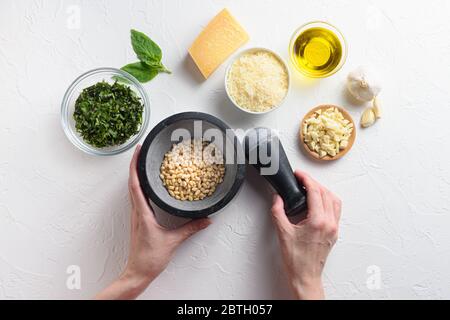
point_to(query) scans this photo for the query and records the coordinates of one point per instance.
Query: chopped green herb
(108, 115)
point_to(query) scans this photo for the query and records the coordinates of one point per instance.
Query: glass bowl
(88, 79)
(318, 24)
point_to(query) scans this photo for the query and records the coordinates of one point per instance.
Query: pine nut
(191, 170)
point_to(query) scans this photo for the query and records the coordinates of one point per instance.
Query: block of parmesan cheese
(221, 37)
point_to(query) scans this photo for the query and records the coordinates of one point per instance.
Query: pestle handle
(287, 186)
(282, 179)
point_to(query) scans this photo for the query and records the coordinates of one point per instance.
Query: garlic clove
(363, 84)
(368, 118)
(376, 108)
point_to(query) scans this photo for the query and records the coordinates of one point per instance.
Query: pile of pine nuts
(192, 170)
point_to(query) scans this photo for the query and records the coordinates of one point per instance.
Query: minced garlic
(258, 81)
(327, 132)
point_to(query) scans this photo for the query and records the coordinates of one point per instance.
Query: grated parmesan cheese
(258, 81)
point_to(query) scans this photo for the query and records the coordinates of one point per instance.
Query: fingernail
(274, 197)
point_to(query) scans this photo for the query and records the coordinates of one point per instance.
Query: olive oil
(317, 52)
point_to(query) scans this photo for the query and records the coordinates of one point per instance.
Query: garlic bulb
(363, 84)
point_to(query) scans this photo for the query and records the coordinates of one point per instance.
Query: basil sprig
(149, 55)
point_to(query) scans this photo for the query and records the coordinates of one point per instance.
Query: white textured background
(60, 207)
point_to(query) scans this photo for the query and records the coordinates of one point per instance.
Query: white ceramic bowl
(251, 50)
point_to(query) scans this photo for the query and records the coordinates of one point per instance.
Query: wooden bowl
(342, 153)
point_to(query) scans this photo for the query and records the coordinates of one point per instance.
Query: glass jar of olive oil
(318, 50)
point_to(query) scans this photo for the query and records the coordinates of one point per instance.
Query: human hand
(305, 246)
(151, 245)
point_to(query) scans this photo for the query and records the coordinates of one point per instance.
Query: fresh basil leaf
(162, 68)
(142, 72)
(146, 49)
(158, 66)
(121, 79)
(149, 54)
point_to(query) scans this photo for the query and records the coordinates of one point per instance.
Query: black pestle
(263, 150)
